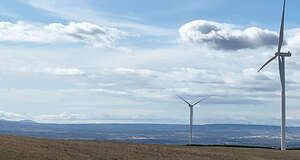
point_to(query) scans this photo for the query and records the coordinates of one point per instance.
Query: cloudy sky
(109, 61)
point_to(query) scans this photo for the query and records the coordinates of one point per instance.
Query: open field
(13, 147)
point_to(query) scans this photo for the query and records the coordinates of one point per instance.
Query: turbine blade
(281, 29)
(201, 100)
(281, 70)
(267, 63)
(183, 100)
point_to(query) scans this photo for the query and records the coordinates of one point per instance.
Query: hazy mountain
(253, 135)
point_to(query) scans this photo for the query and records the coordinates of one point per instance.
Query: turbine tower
(191, 115)
(281, 60)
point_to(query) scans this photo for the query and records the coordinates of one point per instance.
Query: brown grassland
(22, 148)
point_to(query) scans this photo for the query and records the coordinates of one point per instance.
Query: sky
(109, 61)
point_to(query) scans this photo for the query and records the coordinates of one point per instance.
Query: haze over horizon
(107, 61)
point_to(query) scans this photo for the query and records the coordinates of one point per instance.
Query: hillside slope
(12, 147)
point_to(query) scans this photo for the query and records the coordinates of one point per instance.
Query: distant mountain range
(216, 134)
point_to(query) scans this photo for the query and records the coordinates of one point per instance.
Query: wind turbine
(191, 115)
(281, 60)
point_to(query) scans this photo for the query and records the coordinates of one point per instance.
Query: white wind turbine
(281, 60)
(191, 115)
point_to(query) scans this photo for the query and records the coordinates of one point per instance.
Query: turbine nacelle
(288, 54)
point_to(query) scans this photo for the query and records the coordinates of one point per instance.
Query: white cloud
(178, 74)
(293, 39)
(59, 117)
(68, 9)
(44, 118)
(64, 71)
(117, 116)
(95, 35)
(22, 32)
(107, 91)
(11, 116)
(91, 34)
(157, 85)
(225, 36)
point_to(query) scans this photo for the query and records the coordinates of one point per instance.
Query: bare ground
(22, 148)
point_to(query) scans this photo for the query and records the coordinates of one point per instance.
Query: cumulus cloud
(91, 34)
(225, 36)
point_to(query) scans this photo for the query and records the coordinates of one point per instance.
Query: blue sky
(107, 61)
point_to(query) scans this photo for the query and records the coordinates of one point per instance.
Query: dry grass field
(15, 148)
